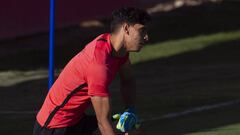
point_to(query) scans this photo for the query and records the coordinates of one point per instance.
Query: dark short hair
(129, 15)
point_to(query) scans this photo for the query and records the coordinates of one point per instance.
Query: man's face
(136, 38)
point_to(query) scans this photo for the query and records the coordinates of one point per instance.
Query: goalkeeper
(85, 79)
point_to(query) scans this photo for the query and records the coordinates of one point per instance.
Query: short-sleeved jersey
(87, 74)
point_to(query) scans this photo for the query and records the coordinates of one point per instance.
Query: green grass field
(173, 74)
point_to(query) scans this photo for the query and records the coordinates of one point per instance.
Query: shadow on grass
(37, 59)
(206, 121)
(192, 79)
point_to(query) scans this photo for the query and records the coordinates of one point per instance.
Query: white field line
(166, 116)
(193, 110)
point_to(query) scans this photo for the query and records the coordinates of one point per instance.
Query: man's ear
(126, 27)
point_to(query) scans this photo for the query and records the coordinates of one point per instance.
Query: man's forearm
(106, 127)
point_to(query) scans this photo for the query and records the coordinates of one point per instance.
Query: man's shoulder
(99, 48)
(103, 43)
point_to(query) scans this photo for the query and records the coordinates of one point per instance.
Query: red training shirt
(95, 67)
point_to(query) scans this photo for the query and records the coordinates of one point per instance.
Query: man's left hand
(127, 121)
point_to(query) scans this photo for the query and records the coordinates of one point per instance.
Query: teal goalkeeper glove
(127, 121)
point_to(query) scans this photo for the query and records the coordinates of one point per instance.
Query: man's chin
(139, 49)
(135, 49)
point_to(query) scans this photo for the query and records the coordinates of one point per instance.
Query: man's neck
(118, 49)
